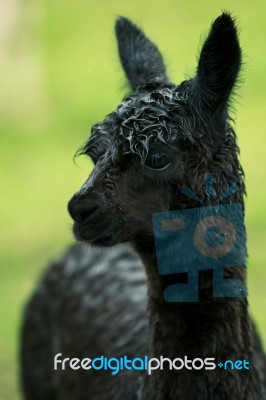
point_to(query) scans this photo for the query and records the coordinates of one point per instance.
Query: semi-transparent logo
(205, 238)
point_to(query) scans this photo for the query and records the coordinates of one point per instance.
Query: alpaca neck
(212, 327)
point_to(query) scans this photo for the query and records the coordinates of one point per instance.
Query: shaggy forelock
(155, 113)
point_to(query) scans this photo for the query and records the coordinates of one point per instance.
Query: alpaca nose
(85, 209)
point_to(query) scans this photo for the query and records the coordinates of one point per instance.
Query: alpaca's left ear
(219, 64)
(140, 58)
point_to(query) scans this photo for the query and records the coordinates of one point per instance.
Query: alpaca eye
(158, 160)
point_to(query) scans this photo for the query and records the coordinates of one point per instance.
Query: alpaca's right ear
(219, 64)
(140, 58)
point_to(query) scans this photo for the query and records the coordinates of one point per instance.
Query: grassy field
(59, 74)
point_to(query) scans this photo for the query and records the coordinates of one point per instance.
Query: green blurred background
(59, 75)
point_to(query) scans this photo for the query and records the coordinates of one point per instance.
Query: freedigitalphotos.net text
(145, 364)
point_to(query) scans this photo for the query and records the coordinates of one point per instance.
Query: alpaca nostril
(82, 210)
(86, 214)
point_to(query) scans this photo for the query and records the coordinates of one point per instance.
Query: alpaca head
(160, 138)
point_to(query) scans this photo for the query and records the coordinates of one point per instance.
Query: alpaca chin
(99, 234)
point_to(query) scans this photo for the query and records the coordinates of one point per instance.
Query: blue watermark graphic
(211, 237)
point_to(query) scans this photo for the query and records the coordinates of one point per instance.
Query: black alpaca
(110, 302)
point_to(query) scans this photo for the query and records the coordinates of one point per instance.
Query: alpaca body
(93, 302)
(111, 302)
(81, 309)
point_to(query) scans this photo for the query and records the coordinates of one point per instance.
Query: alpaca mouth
(100, 234)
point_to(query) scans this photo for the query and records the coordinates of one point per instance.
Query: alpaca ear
(140, 58)
(219, 64)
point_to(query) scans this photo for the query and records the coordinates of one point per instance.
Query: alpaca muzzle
(86, 210)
